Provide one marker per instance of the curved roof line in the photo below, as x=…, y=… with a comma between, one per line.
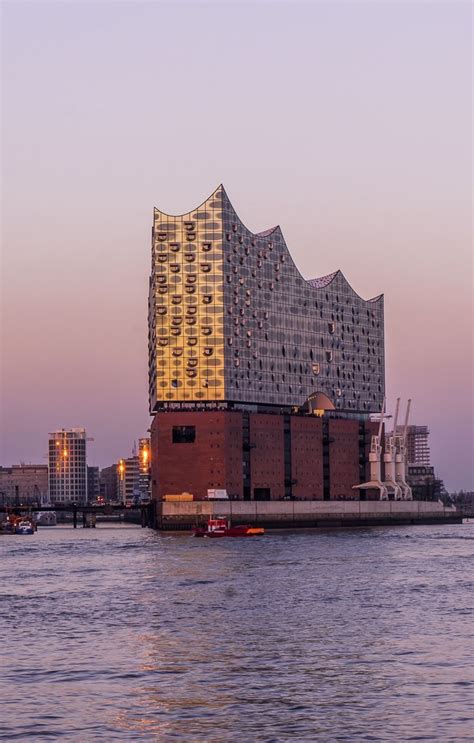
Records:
x=323, y=281
x=318, y=283
x=263, y=233
x=183, y=214
x=220, y=187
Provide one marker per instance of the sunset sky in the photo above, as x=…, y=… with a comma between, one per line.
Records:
x=347, y=123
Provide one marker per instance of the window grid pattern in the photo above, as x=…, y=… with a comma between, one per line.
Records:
x=186, y=330
x=68, y=466
x=279, y=338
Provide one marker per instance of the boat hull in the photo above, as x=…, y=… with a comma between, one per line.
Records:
x=231, y=531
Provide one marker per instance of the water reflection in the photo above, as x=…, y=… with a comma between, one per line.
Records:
x=344, y=635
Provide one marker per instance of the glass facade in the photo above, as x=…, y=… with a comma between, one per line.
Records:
x=232, y=320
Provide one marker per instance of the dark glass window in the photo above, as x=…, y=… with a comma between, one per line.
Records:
x=184, y=434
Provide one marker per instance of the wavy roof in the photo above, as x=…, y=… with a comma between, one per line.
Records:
x=318, y=283
x=322, y=281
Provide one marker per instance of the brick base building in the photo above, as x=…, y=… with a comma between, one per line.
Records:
x=259, y=456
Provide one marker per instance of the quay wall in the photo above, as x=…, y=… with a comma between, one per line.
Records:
x=304, y=514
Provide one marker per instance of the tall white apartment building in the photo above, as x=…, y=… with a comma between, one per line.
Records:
x=68, y=466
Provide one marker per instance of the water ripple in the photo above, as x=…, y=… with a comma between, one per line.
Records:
x=122, y=634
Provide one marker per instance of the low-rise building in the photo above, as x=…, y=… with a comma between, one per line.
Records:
x=24, y=484
x=424, y=483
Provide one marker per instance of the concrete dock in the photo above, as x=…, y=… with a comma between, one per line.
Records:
x=305, y=514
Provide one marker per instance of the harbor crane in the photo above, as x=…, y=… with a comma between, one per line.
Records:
x=401, y=456
x=389, y=457
x=375, y=456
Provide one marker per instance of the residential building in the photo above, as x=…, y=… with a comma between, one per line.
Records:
x=68, y=466
x=144, y=466
x=134, y=475
x=418, y=450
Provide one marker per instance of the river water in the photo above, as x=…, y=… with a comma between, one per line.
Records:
x=123, y=634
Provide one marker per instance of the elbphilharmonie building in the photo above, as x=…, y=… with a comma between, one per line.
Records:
x=269, y=378
x=232, y=320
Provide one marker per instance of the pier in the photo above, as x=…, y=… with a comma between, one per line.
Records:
x=306, y=514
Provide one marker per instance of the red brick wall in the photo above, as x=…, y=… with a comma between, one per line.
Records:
x=267, y=467
x=343, y=458
x=209, y=462
x=307, y=457
x=214, y=459
x=233, y=449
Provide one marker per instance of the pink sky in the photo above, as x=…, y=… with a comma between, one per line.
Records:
x=348, y=124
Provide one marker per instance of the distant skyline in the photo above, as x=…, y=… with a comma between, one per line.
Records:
x=356, y=113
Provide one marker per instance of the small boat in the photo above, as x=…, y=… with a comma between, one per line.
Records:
x=46, y=518
x=221, y=527
x=24, y=526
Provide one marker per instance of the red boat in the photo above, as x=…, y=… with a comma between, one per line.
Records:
x=221, y=527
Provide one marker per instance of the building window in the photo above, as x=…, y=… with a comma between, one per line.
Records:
x=184, y=434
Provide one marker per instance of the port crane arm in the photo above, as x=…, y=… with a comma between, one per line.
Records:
x=397, y=408
x=405, y=429
x=382, y=416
